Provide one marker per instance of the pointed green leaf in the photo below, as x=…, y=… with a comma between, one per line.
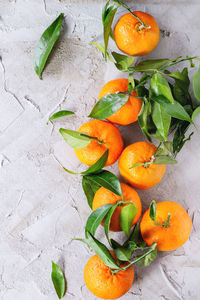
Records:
x=90, y=188
x=58, y=280
x=108, y=220
x=152, y=210
x=127, y=216
x=161, y=120
x=160, y=87
x=60, y=114
x=123, y=254
x=108, y=180
x=46, y=43
x=75, y=139
x=122, y=62
x=164, y=159
x=195, y=113
x=150, y=66
x=108, y=105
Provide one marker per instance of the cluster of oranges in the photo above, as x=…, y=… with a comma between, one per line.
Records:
x=135, y=166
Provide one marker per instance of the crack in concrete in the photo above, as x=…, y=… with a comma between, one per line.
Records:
x=18, y=203
x=32, y=102
x=4, y=160
x=5, y=86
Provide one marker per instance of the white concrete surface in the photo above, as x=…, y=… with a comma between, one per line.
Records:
x=42, y=207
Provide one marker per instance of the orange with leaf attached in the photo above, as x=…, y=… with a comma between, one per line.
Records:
x=109, y=137
x=128, y=113
x=144, y=176
x=132, y=37
x=102, y=283
x=104, y=196
x=167, y=237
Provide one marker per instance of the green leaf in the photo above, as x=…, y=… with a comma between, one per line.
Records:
x=90, y=188
x=131, y=83
x=102, y=50
x=108, y=220
x=46, y=43
x=161, y=120
x=160, y=87
x=144, y=119
x=152, y=210
x=181, y=86
x=150, y=66
x=180, y=139
x=96, y=218
x=75, y=139
x=58, y=280
x=168, y=146
x=115, y=244
x=122, y=62
x=127, y=216
x=95, y=168
x=149, y=258
x=195, y=113
x=164, y=159
x=123, y=254
x=60, y=114
x=175, y=110
x=134, y=236
x=108, y=180
x=196, y=84
x=102, y=251
x=107, y=19
x=108, y=105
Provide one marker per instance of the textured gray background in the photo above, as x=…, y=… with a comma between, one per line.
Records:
x=42, y=207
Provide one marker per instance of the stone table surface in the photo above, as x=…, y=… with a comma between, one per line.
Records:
x=42, y=207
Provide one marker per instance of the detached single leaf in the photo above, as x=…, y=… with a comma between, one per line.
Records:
x=75, y=139
x=108, y=220
x=164, y=159
x=96, y=218
x=150, y=66
x=161, y=120
x=196, y=84
x=90, y=188
x=60, y=114
x=127, y=216
x=152, y=210
x=108, y=180
x=122, y=62
x=108, y=105
x=160, y=87
x=102, y=251
x=58, y=280
x=46, y=43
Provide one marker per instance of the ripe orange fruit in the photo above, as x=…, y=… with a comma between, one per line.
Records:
x=128, y=113
x=171, y=237
x=104, y=196
x=134, y=40
x=140, y=177
x=110, y=137
x=102, y=283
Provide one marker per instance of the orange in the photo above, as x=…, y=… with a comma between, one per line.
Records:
x=171, y=237
x=140, y=177
x=110, y=138
x=102, y=283
x=104, y=196
x=128, y=113
x=134, y=40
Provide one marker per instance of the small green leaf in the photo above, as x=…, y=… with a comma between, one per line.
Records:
x=127, y=216
x=122, y=62
x=152, y=210
x=150, y=66
x=149, y=258
x=107, y=19
x=58, y=280
x=144, y=119
x=60, y=114
x=161, y=120
x=123, y=254
x=196, y=84
x=160, y=87
x=96, y=218
x=90, y=188
x=108, y=105
x=195, y=113
x=75, y=139
x=108, y=220
x=46, y=43
x=164, y=159
x=102, y=251
x=108, y=180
